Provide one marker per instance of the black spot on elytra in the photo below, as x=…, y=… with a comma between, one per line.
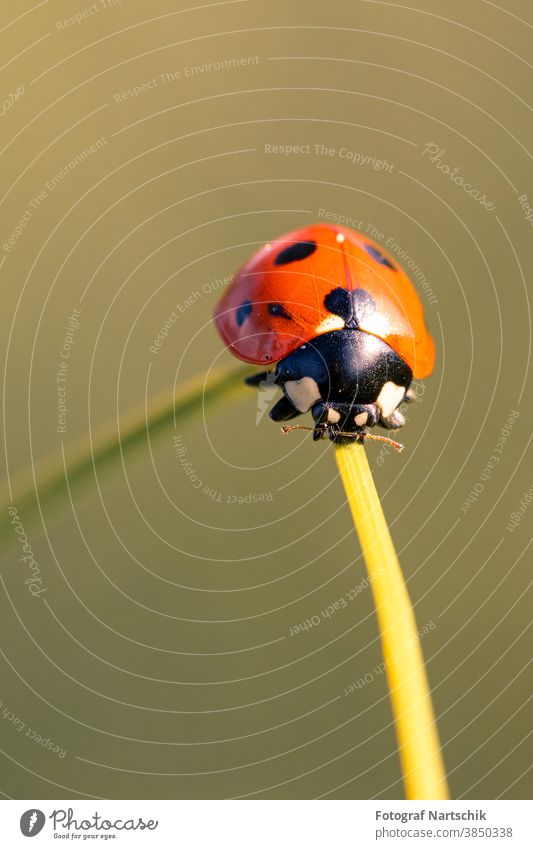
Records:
x=379, y=257
x=295, y=252
x=279, y=310
x=243, y=312
x=353, y=307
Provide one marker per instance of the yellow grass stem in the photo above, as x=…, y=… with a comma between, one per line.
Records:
x=416, y=730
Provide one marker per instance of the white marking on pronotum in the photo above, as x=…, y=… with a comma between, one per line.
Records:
x=303, y=393
x=390, y=396
x=332, y=322
x=361, y=419
x=333, y=416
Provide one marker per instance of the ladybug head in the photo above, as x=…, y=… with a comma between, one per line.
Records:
x=348, y=379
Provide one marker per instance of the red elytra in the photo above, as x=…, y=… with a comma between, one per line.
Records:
x=277, y=300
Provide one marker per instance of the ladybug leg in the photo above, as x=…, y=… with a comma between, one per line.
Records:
x=339, y=421
x=395, y=420
x=341, y=437
x=333, y=431
x=283, y=410
x=321, y=415
x=371, y=411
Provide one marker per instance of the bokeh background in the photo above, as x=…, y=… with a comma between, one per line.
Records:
x=160, y=658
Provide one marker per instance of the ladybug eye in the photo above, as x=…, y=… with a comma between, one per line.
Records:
x=296, y=251
x=379, y=257
x=243, y=312
x=279, y=310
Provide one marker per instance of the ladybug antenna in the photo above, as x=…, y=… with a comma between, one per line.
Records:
x=396, y=445
x=364, y=436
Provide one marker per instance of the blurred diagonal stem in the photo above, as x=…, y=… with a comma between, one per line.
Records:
x=416, y=730
x=45, y=486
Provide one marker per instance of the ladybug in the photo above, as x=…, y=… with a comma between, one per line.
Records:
x=342, y=322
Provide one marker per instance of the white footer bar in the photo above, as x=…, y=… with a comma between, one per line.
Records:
x=268, y=824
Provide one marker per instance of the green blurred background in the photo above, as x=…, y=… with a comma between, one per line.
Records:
x=160, y=660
